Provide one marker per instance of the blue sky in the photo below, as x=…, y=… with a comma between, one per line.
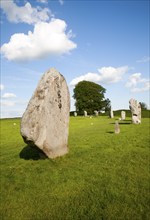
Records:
x=106, y=42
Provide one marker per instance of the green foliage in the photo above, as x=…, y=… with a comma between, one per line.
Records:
x=143, y=106
x=89, y=96
x=104, y=176
x=107, y=105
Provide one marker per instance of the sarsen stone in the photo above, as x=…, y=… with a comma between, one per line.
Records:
x=46, y=120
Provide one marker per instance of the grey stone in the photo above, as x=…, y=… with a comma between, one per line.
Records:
x=111, y=114
x=96, y=113
x=135, y=119
x=123, y=115
x=75, y=114
x=45, y=122
x=135, y=108
x=117, y=128
x=85, y=113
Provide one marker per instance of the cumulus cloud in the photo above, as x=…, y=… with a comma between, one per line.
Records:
x=61, y=2
x=1, y=86
x=138, y=84
x=8, y=95
x=26, y=13
x=42, y=1
x=46, y=39
x=7, y=103
x=143, y=60
x=105, y=75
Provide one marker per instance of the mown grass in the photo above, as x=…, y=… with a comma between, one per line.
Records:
x=104, y=176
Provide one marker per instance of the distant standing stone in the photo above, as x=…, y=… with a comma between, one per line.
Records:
x=117, y=128
x=135, y=108
x=46, y=120
x=123, y=115
x=85, y=113
x=96, y=113
x=111, y=114
x=75, y=114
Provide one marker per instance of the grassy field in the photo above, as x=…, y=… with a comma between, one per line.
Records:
x=105, y=176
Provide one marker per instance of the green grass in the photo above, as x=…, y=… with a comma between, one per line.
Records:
x=104, y=176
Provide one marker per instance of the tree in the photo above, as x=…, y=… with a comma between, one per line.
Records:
x=89, y=96
x=143, y=106
x=107, y=105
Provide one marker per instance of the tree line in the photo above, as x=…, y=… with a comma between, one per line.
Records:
x=90, y=96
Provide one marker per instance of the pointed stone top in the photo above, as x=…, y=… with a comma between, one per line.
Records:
x=46, y=119
x=52, y=69
x=53, y=72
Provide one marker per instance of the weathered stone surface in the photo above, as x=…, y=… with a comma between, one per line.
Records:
x=46, y=120
x=135, y=108
x=123, y=115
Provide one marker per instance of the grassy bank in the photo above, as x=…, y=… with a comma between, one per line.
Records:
x=144, y=113
x=117, y=113
x=104, y=176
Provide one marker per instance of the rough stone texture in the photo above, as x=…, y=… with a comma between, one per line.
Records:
x=123, y=115
x=117, y=128
x=46, y=120
x=135, y=108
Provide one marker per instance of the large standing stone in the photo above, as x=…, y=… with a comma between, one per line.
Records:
x=46, y=119
x=135, y=108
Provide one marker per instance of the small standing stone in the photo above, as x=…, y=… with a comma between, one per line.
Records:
x=75, y=114
x=85, y=113
x=123, y=115
x=117, y=128
x=111, y=114
x=96, y=113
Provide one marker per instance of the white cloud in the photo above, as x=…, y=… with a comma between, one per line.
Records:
x=143, y=60
x=26, y=13
x=15, y=108
x=46, y=39
x=11, y=113
x=8, y=95
x=138, y=84
x=1, y=86
x=104, y=75
x=42, y=1
x=7, y=103
x=61, y=2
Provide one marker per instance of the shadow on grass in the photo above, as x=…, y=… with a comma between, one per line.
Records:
x=110, y=132
x=122, y=123
x=32, y=153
